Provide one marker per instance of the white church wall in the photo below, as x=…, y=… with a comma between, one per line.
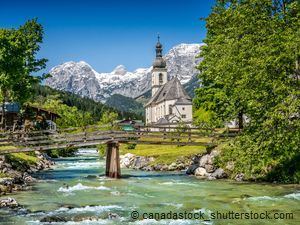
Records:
x=184, y=112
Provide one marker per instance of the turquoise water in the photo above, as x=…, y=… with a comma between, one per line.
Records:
x=76, y=191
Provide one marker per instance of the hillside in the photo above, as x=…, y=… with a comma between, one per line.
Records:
x=125, y=104
x=82, y=103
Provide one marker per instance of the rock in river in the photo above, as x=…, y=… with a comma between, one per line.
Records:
x=8, y=202
x=219, y=173
x=201, y=172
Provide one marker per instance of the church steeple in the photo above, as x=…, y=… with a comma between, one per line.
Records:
x=159, y=72
x=158, y=48
x=159, y=62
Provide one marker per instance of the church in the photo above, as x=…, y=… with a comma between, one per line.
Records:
x=169, y=102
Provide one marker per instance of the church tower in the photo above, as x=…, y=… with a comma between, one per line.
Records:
x=159, y=71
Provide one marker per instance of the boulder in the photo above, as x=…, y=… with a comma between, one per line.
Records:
x=173, y=166
x=6, y=181
x=148, y=168
x=211, y=178
x=196, y=159
x=113, y=216
x=201, y=172
x=206, y=159
x=181, y=166
x=51, y=219
x=214, y=153
x=8, y=202
x=209, y=168
x=157, y=167
x=28, y=179
x=191, y=169
x=126, y=160
x=239, y=177
x=164, y=168
x=140, y=162
x=219, y=173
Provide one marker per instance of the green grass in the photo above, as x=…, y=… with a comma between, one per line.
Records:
x=24, y=158
x=19, y=160
x=2, y=175
x=164, y=154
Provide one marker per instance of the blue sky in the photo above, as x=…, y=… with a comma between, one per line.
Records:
x=106, y=33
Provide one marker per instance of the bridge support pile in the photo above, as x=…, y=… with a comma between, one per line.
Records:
x=113, y=160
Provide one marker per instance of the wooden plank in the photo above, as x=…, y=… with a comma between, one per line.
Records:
x=166, y=143
x=62, y=140
x=51, y=147
x=163, y=136
x=65, y=135
x=53, y=131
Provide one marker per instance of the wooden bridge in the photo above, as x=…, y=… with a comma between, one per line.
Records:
x=94, y=135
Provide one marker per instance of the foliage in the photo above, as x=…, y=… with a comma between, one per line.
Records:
x=101, y=150
x=205, y=119
x=109, y=118
x=83, y=104
x=2, y=175
x=70, y=116
x=18, y=50
x=64, y=152
x=126, y=104
x=251, y=68
x=131, y=146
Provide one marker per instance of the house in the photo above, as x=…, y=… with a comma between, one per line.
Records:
x=39, y=115
x=169, y=102
x=11, y=112
x=130, y=125
x=30, y=116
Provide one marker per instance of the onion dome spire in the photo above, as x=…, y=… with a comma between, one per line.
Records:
x=159, y=62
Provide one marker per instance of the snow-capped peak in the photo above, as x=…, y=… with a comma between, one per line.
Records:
x=82, y=79
x=119, y=70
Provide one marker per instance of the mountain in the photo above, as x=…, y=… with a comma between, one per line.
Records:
x=84, y=104
x=80, y=78
x=125, y=104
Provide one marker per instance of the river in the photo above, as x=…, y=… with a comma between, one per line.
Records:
x=76, y=191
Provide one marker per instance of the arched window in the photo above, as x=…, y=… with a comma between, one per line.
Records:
x=160, y=78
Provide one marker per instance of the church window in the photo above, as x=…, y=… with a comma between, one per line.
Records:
x=170, y=109
x=160, y=78
x=183, y=108
x=183, y=116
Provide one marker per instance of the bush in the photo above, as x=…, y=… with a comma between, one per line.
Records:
x=101, y=150
x=68, y=152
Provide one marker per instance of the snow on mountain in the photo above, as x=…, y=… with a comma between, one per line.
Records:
x=80, y=78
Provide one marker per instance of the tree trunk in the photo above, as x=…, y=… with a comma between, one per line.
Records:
x=3, y=120
x=241, y=121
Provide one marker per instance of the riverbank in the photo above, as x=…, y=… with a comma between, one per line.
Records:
x=198, y=162
x=16, y=170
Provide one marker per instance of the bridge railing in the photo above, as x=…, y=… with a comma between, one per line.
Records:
x=44, y=140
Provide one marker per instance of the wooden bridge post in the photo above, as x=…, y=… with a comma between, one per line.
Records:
x=113, y=160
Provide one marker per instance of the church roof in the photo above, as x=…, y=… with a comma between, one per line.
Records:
x=162, y=121
x=170, y=91
x=183, y=101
